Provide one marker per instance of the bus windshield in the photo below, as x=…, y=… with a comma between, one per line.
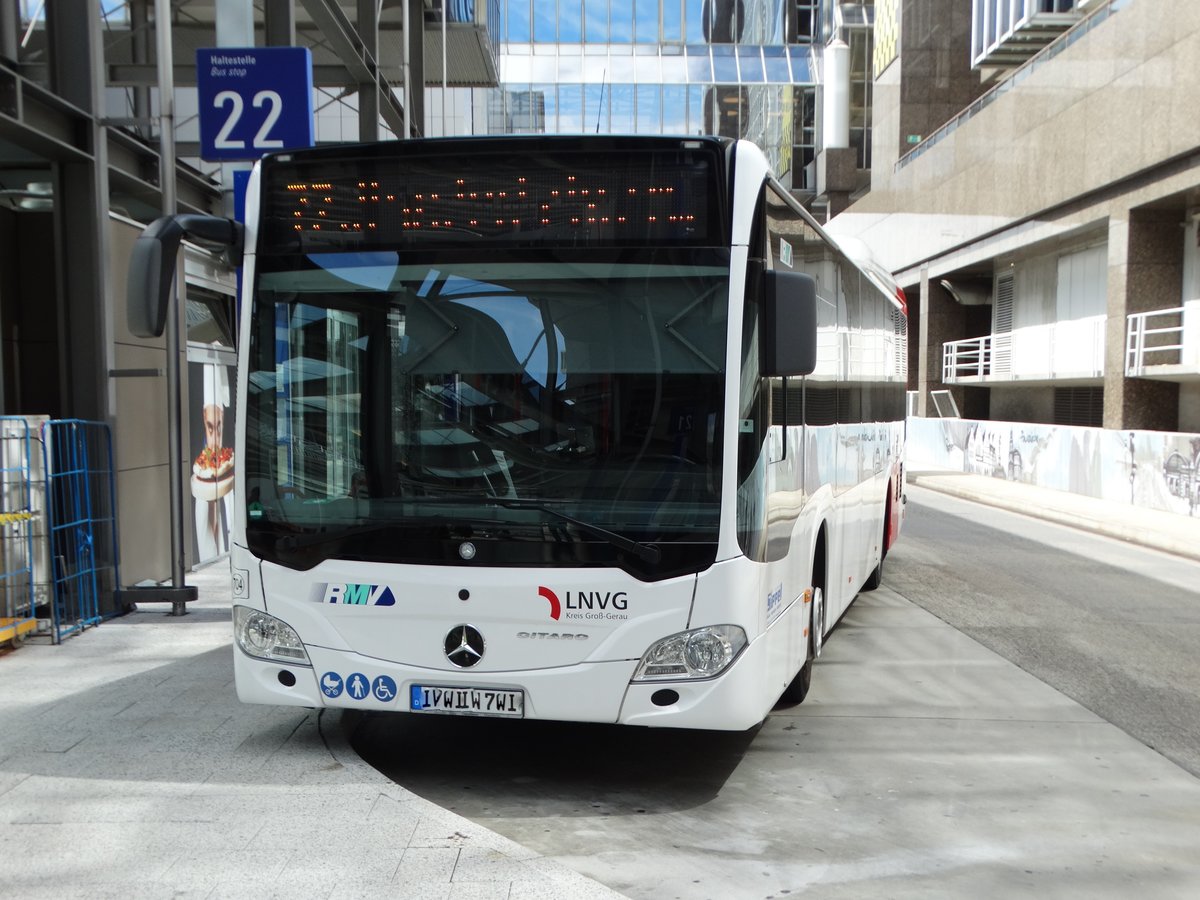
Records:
x=543, y=406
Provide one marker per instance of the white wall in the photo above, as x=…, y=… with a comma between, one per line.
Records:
x=1143, y=468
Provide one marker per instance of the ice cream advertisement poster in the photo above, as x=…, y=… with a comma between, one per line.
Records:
x=211, y=467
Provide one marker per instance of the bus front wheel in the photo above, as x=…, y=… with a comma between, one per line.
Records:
x=798, y=689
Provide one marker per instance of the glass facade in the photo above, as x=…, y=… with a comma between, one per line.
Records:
x=654, y=67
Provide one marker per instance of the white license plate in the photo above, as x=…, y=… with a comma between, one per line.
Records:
x=466, y=701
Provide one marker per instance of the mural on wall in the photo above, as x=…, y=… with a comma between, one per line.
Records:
x=212, y=472
x=1157, y=470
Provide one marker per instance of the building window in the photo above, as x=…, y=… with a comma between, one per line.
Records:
x=1080, y=406
x=808, y=21
x=804, y=150
x=1082, y=288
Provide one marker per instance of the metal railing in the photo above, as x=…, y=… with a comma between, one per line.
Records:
x=1162, y=337
x=977, y=357
x=1072, y=348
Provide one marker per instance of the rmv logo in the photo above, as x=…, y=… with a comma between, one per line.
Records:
x=359, y=594
x=584, y=600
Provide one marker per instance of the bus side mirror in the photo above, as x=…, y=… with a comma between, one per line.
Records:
x=152, y=265
x=789, y=325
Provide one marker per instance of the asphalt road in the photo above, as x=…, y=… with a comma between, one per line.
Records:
x=1113, y=626
x=923, y=764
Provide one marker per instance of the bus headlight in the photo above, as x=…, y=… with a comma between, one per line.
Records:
x=700, y=653
x=267, y=637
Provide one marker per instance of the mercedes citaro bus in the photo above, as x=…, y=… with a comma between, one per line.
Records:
x=599, y=428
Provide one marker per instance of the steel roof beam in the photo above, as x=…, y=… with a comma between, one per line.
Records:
x=346, y=42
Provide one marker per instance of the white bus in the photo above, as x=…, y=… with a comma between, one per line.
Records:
x=599, y=429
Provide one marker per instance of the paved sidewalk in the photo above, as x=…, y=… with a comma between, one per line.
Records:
x=129, y=769
x=1165, y=531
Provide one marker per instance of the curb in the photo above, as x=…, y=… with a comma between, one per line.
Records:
x=1156, y=530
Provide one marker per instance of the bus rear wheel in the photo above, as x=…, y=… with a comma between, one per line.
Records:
x=875, y=579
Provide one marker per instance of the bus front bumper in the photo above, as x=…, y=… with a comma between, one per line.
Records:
x=587, y=692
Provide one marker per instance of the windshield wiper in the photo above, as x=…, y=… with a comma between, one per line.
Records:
x=647, y=553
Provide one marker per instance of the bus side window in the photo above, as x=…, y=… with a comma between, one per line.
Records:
x=753, y=404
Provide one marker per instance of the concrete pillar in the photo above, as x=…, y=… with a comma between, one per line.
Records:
x=81, y=205
x=416, y=64
x=939, y=319
x=10, y=23
x=235, y=28
x=368, y=92
x=835, y=114
x=1145, y=272
x=279, y=23
x=141, y=37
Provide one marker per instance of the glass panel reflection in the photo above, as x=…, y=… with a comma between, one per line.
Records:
x=595, y=108
x=648, y=70
x=596, y=21
x=672, y=20
x=801, y=68
x=570, y=109
x=750, y=64
x=646, y=19
x=724, y=64
x=775, y=59
x=693, y=21
x=674, y=109
x=674, y=69
x=545, y=24
x=620, y=23
x=698, y=65
x=649, y=109
x=621, y=108
x=518, y=20
x=570, y=21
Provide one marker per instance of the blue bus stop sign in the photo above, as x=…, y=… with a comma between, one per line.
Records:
x=253, y=100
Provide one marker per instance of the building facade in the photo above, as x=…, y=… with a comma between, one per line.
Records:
x=649, y=67
x=83, y=168
x=1035, y=183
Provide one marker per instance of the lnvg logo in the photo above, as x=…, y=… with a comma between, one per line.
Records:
x=587, y=604
x=359, y=595
x=555, y=605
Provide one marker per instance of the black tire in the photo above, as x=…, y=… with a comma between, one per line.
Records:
x=798, y=689
x=874, y=580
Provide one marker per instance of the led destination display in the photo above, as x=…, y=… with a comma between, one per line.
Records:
x=590, y=199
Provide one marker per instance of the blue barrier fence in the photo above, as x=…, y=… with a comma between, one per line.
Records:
x=82, y=523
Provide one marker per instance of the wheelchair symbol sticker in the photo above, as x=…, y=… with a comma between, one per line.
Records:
x=384, y=688
x=332, y=684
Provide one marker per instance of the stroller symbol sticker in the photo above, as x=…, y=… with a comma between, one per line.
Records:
x=331, y=684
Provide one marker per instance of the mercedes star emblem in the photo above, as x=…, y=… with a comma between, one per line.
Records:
x=464, y=646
